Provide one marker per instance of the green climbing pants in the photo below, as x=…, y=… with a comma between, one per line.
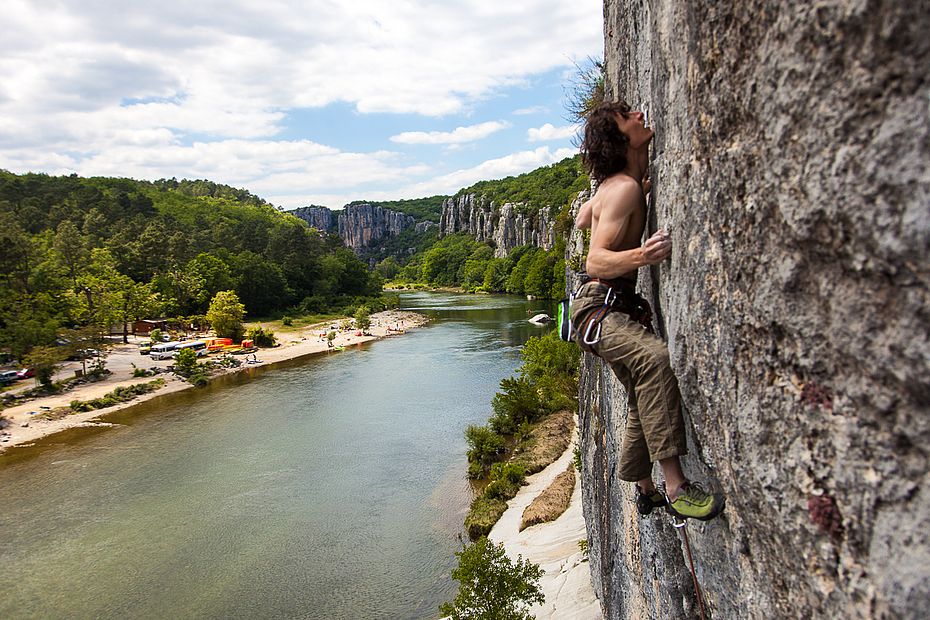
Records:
x=654, y=426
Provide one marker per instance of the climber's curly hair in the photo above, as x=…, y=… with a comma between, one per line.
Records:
x=604, y=147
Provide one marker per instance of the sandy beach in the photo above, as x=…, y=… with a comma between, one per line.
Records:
x=23, y=424
x=553, y=546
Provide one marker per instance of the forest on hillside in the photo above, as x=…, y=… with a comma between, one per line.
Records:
x=78, y=252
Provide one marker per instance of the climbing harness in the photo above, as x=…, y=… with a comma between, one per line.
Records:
x=622, y=297
x=681, y=525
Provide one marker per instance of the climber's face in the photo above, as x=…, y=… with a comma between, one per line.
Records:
x=633, y=126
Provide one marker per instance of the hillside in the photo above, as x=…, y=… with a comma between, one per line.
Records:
x=98, y=251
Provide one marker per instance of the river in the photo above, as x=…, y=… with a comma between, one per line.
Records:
x=331, y=487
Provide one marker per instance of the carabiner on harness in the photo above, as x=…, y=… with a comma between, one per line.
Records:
x=595, y=321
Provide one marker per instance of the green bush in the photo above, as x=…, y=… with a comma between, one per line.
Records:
x=514, y=473
x=484, y=446
x=260, y=337
x=506, y=479
x=516, y=403
x=118, y=395
x=483, y=514
x=287, y=321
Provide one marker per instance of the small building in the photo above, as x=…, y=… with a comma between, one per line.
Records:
x=145, y=326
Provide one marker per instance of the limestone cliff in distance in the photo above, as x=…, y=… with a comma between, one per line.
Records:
x=790, y=164
x=504, y=226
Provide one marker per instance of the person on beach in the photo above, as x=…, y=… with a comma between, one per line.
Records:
x=613, y=322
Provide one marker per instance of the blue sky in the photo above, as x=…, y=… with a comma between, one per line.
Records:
x=302, y=103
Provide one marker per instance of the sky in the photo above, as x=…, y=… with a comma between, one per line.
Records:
x=313, y=102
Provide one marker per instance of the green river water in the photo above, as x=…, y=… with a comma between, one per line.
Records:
x=330, y=487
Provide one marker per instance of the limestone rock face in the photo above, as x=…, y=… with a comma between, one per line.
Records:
x=320, y=218
x=359, y=226
x=790, y=164
x=506, y=227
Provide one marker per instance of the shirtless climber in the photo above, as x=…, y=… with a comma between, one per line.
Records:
x=615, y=151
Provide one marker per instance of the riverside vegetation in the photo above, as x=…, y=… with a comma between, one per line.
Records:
x=529, y=428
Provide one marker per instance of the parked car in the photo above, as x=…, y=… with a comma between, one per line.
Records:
x=8, y=376
x=25, y=373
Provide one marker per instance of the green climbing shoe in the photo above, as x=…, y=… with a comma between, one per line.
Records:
x=693, y=502
x=646, y=502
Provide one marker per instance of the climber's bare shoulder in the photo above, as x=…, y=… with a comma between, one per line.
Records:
x=617, y=213
x=617, y=193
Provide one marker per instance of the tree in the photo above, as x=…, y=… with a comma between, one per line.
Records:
x=515, y=282
x=186, y=362
x=261, y=284
x=492, y=586
x=213, y=272
x=552, y=366
x=226, y=314
x=388, y=268
x=363, y=318
x=538, y=280
x=45, y=360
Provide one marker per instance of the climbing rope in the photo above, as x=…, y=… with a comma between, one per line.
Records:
x=681, y=524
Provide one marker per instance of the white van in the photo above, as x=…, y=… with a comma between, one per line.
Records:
x=164, y=351
x=198, y=346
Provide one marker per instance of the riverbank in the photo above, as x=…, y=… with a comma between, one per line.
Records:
x=553, y=546
x=24, y=424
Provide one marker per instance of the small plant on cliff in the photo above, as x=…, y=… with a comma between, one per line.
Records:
x=585, y=91
x=492, y=586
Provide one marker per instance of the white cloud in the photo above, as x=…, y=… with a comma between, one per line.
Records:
x=205, y=89
x=550, y=132
x=458, y=135
x=535, y=109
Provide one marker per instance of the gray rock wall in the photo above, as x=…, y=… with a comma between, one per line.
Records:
x=360, y=226
x=320, y=218
x=790, y=163
x=504, y=226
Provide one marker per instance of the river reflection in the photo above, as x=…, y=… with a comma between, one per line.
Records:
x=331, y=487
